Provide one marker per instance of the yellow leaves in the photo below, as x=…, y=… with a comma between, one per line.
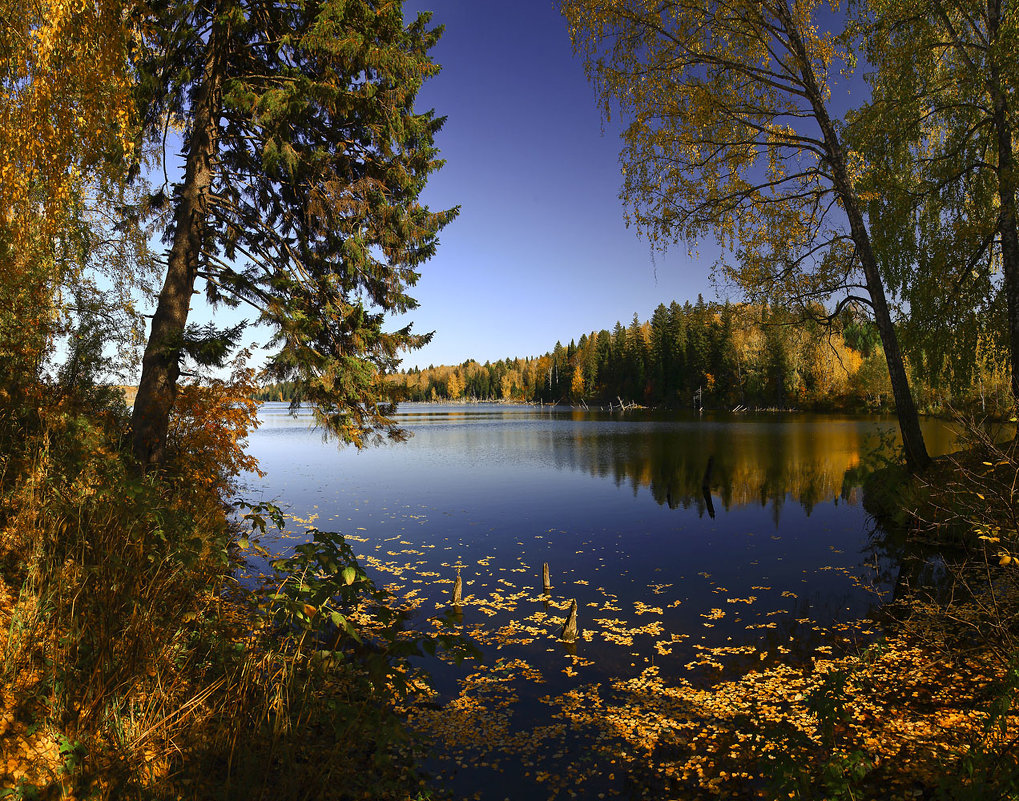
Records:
x=577, y=382
x=69, y=97
x=725, y=130
x=455, y=385
x=992, y=535
x=697, y=729
x=65, y=110
x=703, y=731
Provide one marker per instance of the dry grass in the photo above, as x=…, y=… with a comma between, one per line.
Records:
x=131, y=665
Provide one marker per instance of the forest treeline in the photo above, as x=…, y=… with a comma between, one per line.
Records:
x=747, y=355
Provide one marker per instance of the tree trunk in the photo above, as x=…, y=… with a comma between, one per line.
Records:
x=161, y=362
x=917, y=457
x=1007, y=184
x=1009, y=242
x=905, y=409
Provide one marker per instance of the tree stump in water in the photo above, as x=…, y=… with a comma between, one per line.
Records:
x=570, y=629
x=546, y=583
x=706, y=487
x=457, y=589
x=706, y=481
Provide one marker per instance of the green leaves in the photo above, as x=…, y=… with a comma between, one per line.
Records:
x=325, y=609
x=931, y=134
x=732, y=131
x=322, y=581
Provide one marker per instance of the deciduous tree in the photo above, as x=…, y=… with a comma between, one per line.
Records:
x=454, y=385
x=939, y=134
x=577, y=383
x=731, y=131
x=66, y=129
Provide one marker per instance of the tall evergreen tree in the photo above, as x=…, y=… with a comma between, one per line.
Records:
x=304, y=162
x=676, y=352
x=656, y=355
x=729, y=385
x=635, y=356
x=603, y=359
x=698, y=347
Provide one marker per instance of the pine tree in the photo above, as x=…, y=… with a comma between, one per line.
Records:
x=304, y=162
x=698, y=346
x=659, y=356
x=675, y=352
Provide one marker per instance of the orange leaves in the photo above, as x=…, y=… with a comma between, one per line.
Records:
x=209, y=428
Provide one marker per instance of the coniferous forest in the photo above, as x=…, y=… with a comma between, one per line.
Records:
x=733, y=355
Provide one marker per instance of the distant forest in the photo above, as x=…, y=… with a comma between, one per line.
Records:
x=732, y=354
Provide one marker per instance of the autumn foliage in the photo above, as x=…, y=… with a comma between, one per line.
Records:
x=208, y=431
x=737, y=355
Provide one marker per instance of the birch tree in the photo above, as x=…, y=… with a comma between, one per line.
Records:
x=730, y=132
x=939, y=137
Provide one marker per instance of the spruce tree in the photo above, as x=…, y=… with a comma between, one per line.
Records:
x=676, y=369
x=659, y=357
x=304, y=163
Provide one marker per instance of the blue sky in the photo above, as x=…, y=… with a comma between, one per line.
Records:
x=540, y=251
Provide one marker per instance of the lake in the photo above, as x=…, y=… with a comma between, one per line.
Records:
x=696, y=546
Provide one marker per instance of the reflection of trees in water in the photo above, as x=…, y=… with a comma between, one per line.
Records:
x=753, y=463
x=757, y=461
x=913, y=566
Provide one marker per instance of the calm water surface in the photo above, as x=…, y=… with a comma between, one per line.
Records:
x=775, y=550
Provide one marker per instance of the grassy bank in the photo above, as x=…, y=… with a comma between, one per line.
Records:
x=133, y=664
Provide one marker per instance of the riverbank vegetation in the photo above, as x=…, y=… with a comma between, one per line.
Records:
x=133, y=662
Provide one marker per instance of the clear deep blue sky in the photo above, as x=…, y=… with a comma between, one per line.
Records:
x=540, y=251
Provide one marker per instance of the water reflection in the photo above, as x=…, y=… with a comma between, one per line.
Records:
x=753, y=547
x=765, y=461
x=686, y=461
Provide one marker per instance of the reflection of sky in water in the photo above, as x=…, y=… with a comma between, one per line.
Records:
x=616, y=507
x=591, y=495
x=521, y=459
